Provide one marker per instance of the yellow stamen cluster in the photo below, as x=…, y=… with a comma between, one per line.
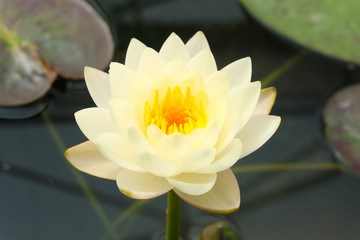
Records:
x=176, y=113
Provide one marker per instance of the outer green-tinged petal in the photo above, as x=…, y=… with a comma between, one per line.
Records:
x=94, y=121
x=217, y=80
x=239, y=72
x=197, y=43
x=114, y=148
x=196, y=160
x=134, y=53
x=87, y=158
x=241, y=104
x=98, y=85
x=157, y=165
x=120, y=81
x=223, y=198
x=257, y=131
x=266, y=101
x=151, y=63
x=193, y=183
x=141, y=185
x=203, y=63
x=226, y=159
x=174, y=48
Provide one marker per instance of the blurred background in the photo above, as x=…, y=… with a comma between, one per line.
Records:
x=302, y=184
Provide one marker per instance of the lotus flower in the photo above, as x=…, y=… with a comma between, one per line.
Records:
x=170, y=120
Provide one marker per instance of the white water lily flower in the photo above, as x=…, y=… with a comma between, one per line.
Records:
x=170, y=120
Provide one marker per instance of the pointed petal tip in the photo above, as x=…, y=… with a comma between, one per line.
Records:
x=247, y=58
x=209, y=209
x=173, y=34
x=223, y=198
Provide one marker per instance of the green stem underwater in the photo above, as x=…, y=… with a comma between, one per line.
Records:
x=173, y=216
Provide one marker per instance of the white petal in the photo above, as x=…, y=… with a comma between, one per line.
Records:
x=140, y=86
x=93, y=122
x=266, y=101
x=203, y=63
x=120, y=81
x=196, y=160
x=122, y=114
x=239, y=72
x=161, y=83
x=176, y=70
x=134, y=53
x=139, y=114
x=195, y=82
x=157, y=165
x=174, y=48
x=218, y=104
x=98, y=85
x=205, y=137
x=257, y=131
x=87, y=158
x=241, y=104
x=174, y=145
x=171, y=146
x=197, y=43
x=193, y=183
x=137, y=139
x=226, y=159
x=223, y=198
x=114, y=148
x=217, y=80
x=141, y=185
x=151, y=63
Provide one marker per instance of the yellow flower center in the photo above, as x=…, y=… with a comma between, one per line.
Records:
x=176, y=113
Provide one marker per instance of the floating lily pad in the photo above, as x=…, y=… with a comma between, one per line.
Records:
x=39, y=38
x=24, y=77
x=68, y=34
x=342, y=125
x=24, y=111
x=329, y=27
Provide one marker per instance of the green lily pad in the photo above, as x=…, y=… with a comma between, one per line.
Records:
x=342, y=125
x=68, y=34
x=329, y=27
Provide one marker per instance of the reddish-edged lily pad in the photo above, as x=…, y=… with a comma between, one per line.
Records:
x=342, y=125
x=66, y=34
x=23, y=76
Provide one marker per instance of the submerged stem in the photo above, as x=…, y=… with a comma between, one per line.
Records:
x=173, y=216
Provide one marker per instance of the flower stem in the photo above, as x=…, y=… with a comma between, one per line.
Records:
x=173, y=216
